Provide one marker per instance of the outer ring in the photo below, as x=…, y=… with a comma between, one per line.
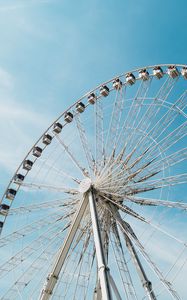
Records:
x=72, y=108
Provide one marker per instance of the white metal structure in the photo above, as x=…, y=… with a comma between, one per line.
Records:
x=96, y=210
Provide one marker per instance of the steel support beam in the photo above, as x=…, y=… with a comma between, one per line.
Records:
x=103, y=271
x=114, y=287
x=147, y=285
x=143, y=277
x=53, y=276
x=97, y=292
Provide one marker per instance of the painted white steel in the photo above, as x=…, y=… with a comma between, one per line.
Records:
x=103, y=271
x=53, y=277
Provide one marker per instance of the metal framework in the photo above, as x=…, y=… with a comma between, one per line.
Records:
x=98, y=208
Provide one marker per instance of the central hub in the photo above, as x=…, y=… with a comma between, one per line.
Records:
x=85, y=185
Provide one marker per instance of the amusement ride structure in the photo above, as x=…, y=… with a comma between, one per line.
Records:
x=96, y=209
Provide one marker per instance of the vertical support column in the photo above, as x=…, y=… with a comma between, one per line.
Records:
x=103, y=271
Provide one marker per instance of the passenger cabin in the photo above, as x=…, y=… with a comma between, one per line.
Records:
x=104, y=90
x=27, y=164
x=47, y=139
x=4, y=209
x=19, y=178
x=68, y=117
x=57, y=127
x=184, y=72
x=158, y=72
x=130, y=78
x=143, y=74
x=80, y=107
x=92, y=98
x=117, y=84
x=173, y=72
x=37, y=151
x=10, y=194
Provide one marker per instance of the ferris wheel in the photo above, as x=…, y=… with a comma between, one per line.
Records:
x=97, y=209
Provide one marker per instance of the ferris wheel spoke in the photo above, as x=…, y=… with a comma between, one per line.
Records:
x=134, y=111
x=162, y=95
x=85, y=144
x=131, y=116
x=121, y=166
x=152, y=111
x=166, y=88
x=124, y=163
x=99, y=135
x=32, y=208
x=167, y=119
x=178, y=258
x=163, y=231
x=166, y=162
x=140, y=186
x=137, y=101
x=113, y=164
x=154, y=166
x=168, y=141
x=70, y=154
x=114, y=127
x=124, y=175
x=156, y=202
x=131, y=189
x=110, y=172
x=35, y=186
x=158, y=183
x=60, y=172
x=163, y=124
x=165, y=143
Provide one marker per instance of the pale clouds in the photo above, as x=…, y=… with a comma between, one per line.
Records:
x=20, y=125
x=6, y=79
x=22, y=4
x=16, y=125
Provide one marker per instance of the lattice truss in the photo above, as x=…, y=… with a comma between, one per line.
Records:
x=128, y=139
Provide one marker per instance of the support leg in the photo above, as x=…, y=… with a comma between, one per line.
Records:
x=114, y=287
x=140, y=270
x=145, y=282
x=103, y=271
x=53, y=276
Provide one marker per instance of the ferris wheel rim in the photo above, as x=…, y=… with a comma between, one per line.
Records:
x=73, y=106
x=136, y=70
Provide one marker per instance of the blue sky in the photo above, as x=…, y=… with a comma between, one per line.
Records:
x=52, y=52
